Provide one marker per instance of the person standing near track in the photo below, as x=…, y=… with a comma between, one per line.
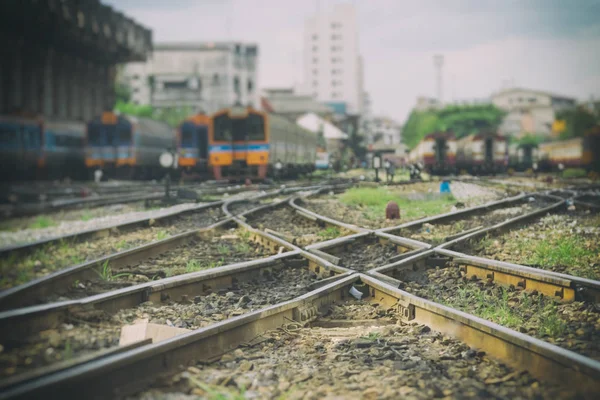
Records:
x=391, y=171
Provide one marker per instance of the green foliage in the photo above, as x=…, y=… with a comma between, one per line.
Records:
x=466, y=120
x=122, y=92
x=530, y=139
x=578, y=121
x=574, y=173
x=569, y=250
x=42, y=222
x=172, y=116
x=462, y=120
x=197, y=265
x=106, y=273
x=134, y=109
x=161, y=235
x=331, y=232
x=374, y=200
x=419, y=124
x=86, y=216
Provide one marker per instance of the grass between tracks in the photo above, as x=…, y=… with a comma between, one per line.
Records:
x=501, y=308
x=16, y=271
x=374, y=200
x=562, y=243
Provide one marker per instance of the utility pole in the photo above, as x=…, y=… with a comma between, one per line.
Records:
x=438, y=62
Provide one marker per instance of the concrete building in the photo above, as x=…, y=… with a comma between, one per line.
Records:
x=291, y=104
x=529, y=111
x=58, y=59
x=206, y=76
x=332, y=64
x=333, y=135
x=386, y=131
x=426, y=103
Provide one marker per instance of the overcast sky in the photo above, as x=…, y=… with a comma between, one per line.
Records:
x=549, y=45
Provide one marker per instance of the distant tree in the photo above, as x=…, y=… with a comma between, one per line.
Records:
x=529, y=139
x=122, y=92
x=172, y=116
x=462, y=120
x=419, y=124
x=467, y=120
x=578, y=121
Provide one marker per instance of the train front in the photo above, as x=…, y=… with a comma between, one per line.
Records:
x=100, y=150
x=239, y=146
x=490, y=153
x=193, y=144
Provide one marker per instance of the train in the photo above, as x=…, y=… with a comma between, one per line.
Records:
x=436, y=153
x=127, y=147
x=242, y=142
x=37, y=148
x=582, y=152
x=441, y=153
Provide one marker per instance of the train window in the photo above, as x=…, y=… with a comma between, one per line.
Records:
x=256, y=127
x=9, y=135
x=188, y=136
x=238, y=127
x=31, y=137
x=123, y=135
x=222, y=128
x=95, y=135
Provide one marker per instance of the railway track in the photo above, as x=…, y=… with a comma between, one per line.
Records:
x=374, y=301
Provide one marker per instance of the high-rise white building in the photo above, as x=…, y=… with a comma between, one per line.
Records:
x=332, y=64
x=206, y=76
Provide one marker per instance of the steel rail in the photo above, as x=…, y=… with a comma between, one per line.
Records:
x=133, y=370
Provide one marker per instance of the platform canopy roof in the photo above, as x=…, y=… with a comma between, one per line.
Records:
x=314, y=123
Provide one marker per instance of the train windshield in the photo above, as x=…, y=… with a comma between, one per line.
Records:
x=189, y=137
x=96, y=135
x=239, y=129
x=256, y=127
x=9, y=135
x=222, y=128
x=123, y=135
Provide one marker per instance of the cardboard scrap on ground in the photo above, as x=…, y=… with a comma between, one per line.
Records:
x=141, y=329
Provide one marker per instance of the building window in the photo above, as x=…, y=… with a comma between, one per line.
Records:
x=315, y=72
x=215, y=80
x=315, y=37
x=335, y=60
x=315, y=60
x=250, y=85
x=336, y=71
x=315, y=94
x=315, y=83
x=315, y=48
x=336, y=48
x=336, y=37
x=236, y=84
x=336, y=25
x=532, y=100
x=135, y=77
